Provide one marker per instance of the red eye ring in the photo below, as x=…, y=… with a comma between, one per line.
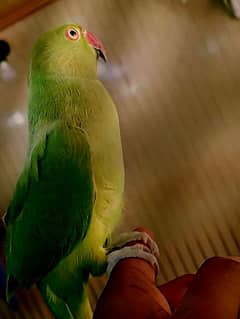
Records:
x=72, y=34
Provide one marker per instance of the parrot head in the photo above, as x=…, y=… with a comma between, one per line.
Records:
x=68, y=51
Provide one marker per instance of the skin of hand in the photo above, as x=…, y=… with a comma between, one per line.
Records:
x=175, y=290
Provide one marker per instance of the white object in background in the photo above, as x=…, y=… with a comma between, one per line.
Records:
x=17, y=119
x=7, y=71
x=234, y=5
x=110, y=72
x=236, y=8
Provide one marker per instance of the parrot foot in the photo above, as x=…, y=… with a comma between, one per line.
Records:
x=143, y=247
x=234, y=6
x=142, y=237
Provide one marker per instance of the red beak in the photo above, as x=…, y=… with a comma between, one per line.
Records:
x=97, y=44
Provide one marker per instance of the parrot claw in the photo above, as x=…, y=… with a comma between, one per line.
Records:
x=144, y=247
x=126, y=238
x=136, y=251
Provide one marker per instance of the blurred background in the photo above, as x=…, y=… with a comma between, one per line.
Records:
x=174, y=75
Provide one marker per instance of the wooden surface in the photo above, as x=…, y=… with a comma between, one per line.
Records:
x=174, y=75
x=14, y=10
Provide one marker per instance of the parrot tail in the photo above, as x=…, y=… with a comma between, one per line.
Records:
x=77, y=306
x=80, y=305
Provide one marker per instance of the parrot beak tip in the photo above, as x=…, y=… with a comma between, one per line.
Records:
x=96, y=44
x=101, y=54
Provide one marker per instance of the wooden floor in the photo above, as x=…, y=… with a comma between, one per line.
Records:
x=174, y=73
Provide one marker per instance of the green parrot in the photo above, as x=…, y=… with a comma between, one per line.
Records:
x=69, y=195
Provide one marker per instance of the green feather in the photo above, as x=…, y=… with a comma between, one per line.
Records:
x=60, y=184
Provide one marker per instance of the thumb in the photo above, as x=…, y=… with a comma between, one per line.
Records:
x=214, y=292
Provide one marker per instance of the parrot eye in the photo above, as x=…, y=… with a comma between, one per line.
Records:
x=72, y=34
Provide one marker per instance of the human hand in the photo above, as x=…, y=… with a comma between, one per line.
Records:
x=131, y=292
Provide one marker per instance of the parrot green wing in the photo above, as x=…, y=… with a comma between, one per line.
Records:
x=17, y=202
x=52, y=204
x=21, y=190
